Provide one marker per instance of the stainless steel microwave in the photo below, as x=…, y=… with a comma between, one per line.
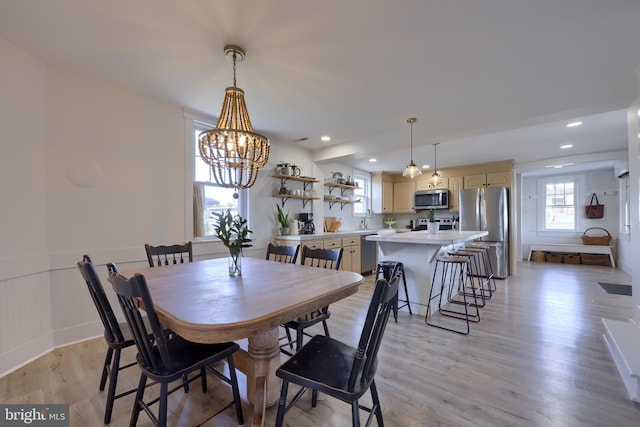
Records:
x=431, y=199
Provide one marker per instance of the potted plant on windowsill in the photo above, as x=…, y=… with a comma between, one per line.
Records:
x=234, y=234
x=433, y=226
x=283, y=220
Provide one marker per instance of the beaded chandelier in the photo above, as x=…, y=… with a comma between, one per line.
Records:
x=232, y=149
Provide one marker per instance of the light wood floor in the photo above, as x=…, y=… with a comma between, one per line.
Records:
x=537, y=358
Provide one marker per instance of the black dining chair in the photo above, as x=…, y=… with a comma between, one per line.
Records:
x=166, y=255
x=327, y=365
x=117, y=335
x=322, y=258
x=286, y=254
x=168, y=358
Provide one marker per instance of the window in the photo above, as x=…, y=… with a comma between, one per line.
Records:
x=362, y=193
x=560, y=204
x=208, y=197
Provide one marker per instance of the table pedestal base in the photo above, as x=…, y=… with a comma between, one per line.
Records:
x=259, y=365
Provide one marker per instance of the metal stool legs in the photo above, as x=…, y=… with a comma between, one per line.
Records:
x=488, y=268
x=473, y=276
x=454, y=269
x=389, y=269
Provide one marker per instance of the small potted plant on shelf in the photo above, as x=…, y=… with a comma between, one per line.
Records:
x=433, y=226
x=234, y=234
x=283, y=220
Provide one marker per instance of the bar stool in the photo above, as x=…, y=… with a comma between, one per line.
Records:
x=389, y=269
x=487, y=272
x=453, y=270
x=474, y=280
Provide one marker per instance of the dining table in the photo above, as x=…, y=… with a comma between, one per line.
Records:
x=201, y=302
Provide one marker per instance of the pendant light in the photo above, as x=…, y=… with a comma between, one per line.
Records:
x=411, y=170
x=435, y=173
x=232, y=149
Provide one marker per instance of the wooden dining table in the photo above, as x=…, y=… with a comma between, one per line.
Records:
x=202, y=303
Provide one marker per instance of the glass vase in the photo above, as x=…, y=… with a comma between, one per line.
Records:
x=235, y=262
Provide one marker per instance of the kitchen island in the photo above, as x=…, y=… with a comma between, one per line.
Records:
x=417, y=251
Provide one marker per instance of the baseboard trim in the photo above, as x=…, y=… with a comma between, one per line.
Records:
x=623, y=341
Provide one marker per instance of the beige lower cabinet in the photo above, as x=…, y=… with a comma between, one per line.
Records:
x=351, y=254
x=311, y=244
x=332, y=243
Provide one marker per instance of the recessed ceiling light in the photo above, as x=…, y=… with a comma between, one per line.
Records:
x=558, y=167
x=574, y=124
x=425, y=166
x=564, y=147
x=325, y=138
x=372, y=160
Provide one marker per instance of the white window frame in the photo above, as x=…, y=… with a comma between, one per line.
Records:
x=578, y=181
x=195, y=124
x=366, y=199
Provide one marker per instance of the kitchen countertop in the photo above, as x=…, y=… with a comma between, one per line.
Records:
x=443, y=237
x=346, y=233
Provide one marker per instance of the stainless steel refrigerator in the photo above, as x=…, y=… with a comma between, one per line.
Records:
x=488, y=209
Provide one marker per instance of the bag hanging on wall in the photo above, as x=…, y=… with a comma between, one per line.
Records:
x=594, y=210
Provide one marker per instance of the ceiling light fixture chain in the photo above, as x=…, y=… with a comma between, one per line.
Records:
x=435, y=173
x=411, y=170
x=232, y=149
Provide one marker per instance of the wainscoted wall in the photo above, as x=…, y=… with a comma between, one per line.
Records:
x=51, y=307
x=25, y=312
x=88, y=167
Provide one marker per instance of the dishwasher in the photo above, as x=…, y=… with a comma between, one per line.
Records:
x=368, y=255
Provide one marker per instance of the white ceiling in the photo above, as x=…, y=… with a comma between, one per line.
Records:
x=488, y=79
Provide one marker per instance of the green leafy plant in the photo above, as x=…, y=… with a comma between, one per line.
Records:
x=432, y=215
x=283, y=218
x=232, y=231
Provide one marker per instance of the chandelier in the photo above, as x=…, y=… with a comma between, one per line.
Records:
x=411, y=170
x=232, y=149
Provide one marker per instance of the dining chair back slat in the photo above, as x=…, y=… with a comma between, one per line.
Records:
x=166, y=255
x=286, y=254
x=323, y=258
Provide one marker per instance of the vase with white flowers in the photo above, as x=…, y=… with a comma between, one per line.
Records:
x=234, y=234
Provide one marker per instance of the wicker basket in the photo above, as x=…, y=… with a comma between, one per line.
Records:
x=538, y=256
x=596, y=240
x=594, y=259
x=571, y=259
x=554, y=258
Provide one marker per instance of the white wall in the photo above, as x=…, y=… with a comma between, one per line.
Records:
x=601, y=181
x=88, y=167
x=25, y=311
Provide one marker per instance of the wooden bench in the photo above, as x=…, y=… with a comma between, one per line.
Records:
x=571, y=248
